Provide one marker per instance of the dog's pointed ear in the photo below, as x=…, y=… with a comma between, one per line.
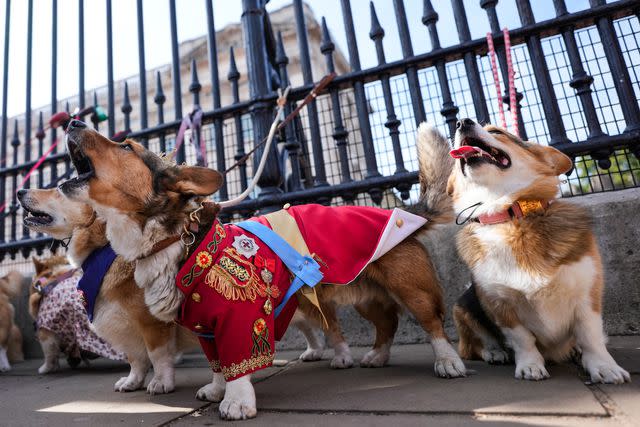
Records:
x=193, y=180
x=39, y=265
x=560, y=162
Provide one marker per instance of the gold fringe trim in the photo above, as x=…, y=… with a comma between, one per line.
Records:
x=224, y=283
x=224, y=277
x=246, y=365
x=215, y=365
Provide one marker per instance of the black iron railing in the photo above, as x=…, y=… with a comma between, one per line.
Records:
x=354, y=144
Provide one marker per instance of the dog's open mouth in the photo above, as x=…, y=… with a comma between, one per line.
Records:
x=474, y=152
x=80, y=161
x=36, y=218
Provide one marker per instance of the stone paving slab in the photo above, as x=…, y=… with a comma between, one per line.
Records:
x=624, y=400
x=209, y=417
x=626, y=351
x=85, y=396
x=408, y=385
x=405, y=393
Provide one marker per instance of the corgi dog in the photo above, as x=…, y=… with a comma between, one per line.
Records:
x=120, y=315
x=10, y=336
x=60, y=318
x=537, y=279
x=147, y=203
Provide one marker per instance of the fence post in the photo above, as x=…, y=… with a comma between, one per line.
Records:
x=259, y=87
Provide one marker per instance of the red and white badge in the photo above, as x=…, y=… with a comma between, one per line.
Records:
x=245, y=245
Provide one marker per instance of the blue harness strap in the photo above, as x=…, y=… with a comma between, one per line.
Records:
x=94, y=268
x=305, y=269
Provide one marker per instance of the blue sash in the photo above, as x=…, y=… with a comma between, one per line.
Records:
x=94, y=268
x=305, y=269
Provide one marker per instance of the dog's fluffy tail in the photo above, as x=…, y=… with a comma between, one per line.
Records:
x=435, y=167
x=11, y=284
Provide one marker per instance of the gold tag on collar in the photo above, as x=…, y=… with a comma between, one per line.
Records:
x=530, y=206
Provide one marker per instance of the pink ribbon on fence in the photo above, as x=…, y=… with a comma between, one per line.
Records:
x=496, y=79
x=192, y=121
x=513, y=102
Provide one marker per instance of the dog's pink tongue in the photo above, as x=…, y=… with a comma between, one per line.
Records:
x=464, y=152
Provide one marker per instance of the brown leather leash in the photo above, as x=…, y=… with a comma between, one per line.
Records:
x=317, y=90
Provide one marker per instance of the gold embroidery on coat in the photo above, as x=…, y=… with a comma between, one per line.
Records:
x=246, y=365
x=237, y=279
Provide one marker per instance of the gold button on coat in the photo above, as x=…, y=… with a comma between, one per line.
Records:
x=198, y=327
x=196, y=297
x=399, y=222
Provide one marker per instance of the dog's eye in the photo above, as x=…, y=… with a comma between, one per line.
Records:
x=495, y=132
x=127, y=147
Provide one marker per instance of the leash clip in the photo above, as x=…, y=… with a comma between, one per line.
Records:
x=474, y=208
x=188, y=238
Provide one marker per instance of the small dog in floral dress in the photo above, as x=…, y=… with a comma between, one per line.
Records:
x=61, y=321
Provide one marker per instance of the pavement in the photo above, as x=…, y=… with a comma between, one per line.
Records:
x=312, y=394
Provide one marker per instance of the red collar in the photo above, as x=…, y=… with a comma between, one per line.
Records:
x=519, y=209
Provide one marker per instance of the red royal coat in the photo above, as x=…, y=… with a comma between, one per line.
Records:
x=233, y=281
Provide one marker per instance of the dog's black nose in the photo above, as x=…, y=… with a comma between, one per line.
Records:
x=76, y=124
x=21, y=192
x=464, y=123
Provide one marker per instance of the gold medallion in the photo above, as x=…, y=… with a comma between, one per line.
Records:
x=268, y=306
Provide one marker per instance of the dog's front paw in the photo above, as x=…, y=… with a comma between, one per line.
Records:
x=232, y=409
x=375, y=358
x=239, y=402
x=531, y=371
x=342, y=361
x=311, y=354
x=495, y=356
x=449, y=367
x=160, y=385
x=48, y=367
x=608, y=372
x=126, y=384
x=211, y=392
x=6, y=367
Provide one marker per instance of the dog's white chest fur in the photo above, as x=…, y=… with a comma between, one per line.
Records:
x=550, y=300
x=500, y=267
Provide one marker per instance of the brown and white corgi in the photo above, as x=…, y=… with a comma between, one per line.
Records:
x=120, y=316
x=146, y=202
x=10, y=336
x=537, y=277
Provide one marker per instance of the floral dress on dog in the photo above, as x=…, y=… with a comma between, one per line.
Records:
x=63, y=313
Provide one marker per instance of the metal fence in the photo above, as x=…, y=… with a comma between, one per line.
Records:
x=577, y=83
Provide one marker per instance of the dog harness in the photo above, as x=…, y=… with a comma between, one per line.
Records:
x=240, y=281
x=94, y=268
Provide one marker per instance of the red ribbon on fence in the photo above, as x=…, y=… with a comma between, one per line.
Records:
x=57, y=120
